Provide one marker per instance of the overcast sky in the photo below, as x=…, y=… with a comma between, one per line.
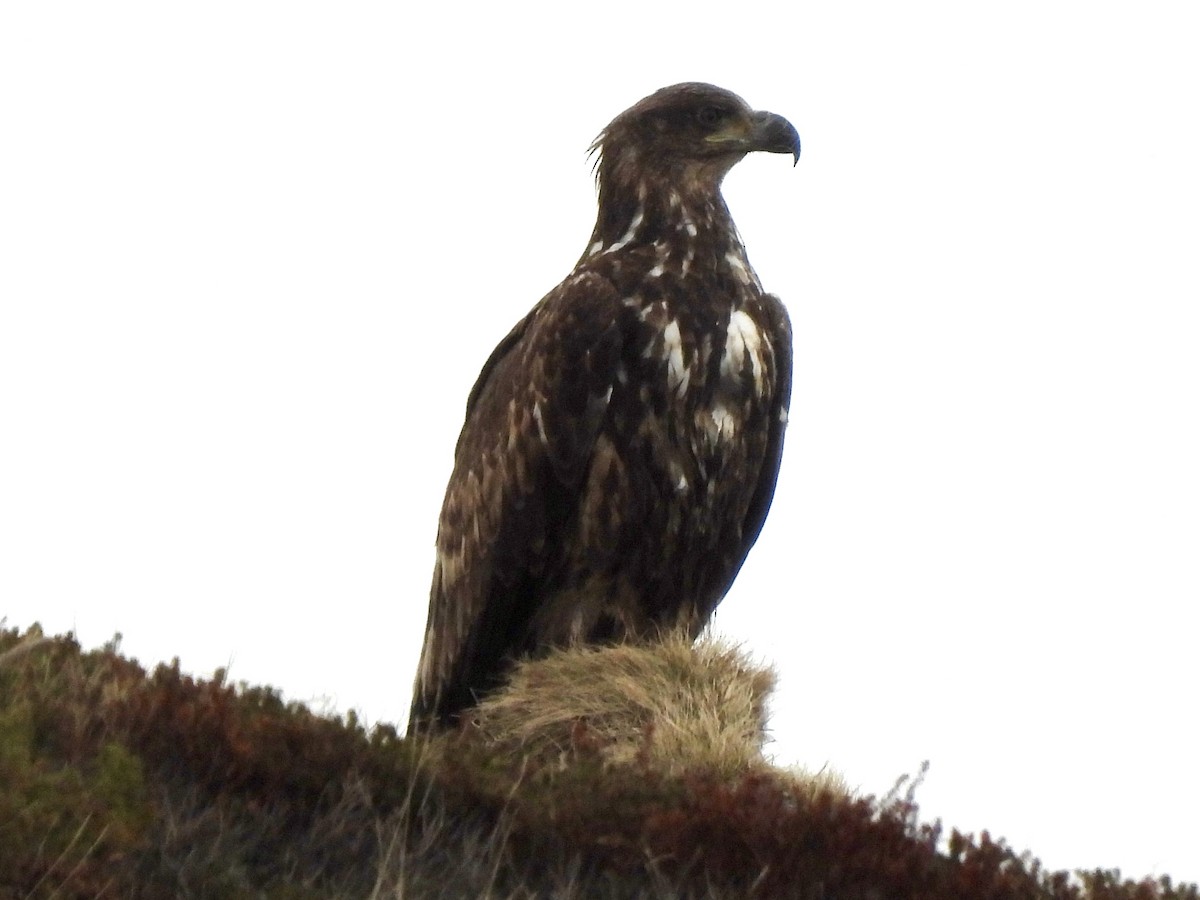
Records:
x=252, y=256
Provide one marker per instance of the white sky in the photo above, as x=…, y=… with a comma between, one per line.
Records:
x=252, y=256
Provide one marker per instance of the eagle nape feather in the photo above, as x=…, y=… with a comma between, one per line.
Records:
x=622, y=442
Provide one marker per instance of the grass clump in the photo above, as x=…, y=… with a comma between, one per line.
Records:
x=672, y=707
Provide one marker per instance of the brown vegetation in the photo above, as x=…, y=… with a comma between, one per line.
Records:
x=582, y=781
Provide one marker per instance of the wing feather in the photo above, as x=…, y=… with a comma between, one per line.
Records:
x=531, y=425
x=779, y=331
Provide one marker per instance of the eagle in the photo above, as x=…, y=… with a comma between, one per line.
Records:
x=622, y=442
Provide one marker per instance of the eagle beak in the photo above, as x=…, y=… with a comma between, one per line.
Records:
x=774, y=134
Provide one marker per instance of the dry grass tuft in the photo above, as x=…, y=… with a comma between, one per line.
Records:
x=672, y=707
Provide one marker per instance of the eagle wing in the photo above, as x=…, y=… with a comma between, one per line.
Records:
x=531, y=423
x=779, y=329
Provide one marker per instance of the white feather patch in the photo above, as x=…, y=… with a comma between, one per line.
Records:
x=537, y=417
x=740, y=269
x=742, y=339
x=678, y=374
x=630, y=233
x=723, y=424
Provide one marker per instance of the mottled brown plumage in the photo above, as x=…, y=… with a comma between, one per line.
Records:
x=622, y=442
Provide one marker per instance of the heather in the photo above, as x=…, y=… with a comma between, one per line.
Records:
x=617, y=772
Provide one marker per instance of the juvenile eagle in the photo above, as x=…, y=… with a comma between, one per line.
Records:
x=622, y=442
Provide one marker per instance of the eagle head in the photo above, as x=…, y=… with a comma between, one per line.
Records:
x=691, y=133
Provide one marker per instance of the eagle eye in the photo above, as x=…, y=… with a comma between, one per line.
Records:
x=709, y=115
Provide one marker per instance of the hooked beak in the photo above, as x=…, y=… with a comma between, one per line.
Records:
x=774, y=134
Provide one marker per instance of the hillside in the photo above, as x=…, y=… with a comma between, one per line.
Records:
x=622, y=773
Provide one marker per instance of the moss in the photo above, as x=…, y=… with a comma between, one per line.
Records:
x=61, y=823
x=119, y=785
